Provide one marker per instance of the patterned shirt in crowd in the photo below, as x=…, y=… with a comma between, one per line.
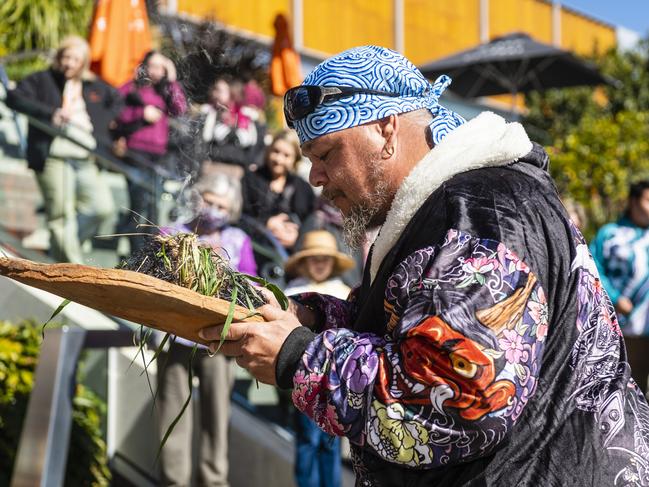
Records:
x=481, y=348
x=621, y=252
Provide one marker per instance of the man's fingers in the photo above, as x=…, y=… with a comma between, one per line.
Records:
x=242, y=362
x=268, y=296
x=229, y=349
x=213, y=333
x=271, y=313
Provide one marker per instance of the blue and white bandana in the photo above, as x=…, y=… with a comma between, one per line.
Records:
x=375, y=68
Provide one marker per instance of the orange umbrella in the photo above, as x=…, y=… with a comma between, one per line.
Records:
x=285, y=63
x=119, y=39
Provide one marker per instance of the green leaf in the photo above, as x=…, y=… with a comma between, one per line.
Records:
x=63, y=304
x=228, y=319
x=138, y=341
x=155, y=357
x=467, y=282
x=521, y=328
x=190, y=377
x=493, y=353
x=160, y=348
x=144, y=364
x=277, y=292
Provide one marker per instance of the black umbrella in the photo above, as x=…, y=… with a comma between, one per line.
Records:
x=513, y=64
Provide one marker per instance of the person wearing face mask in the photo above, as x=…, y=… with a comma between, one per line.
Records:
x=219, y=207
x=71, y=98
x=274, y=195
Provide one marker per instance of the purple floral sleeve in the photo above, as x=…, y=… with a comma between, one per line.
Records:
x=467, y=322
x=336, y=313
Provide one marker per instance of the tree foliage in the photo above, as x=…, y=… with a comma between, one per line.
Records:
x=87, y=461
x=598, y=138
x=39, y=25
x=631, y=68
x=596, y=160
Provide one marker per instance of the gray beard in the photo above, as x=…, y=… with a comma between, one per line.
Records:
x=362, y=217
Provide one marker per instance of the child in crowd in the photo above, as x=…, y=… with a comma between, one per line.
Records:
x=317, y=267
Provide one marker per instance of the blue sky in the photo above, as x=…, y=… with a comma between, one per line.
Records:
x=633, y=14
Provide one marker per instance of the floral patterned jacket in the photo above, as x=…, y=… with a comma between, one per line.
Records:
x=481, y=348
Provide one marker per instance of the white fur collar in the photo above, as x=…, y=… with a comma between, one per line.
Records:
x=487, y=140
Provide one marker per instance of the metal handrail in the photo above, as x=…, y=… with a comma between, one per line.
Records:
x=42, y=452
x=104, y=156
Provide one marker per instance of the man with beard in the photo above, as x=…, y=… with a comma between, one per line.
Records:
x=480, y=348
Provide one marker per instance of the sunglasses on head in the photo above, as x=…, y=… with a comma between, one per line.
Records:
x=303, y=100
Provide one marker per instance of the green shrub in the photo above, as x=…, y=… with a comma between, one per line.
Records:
x=596, y=160
x=19, y=349
x=598, y=140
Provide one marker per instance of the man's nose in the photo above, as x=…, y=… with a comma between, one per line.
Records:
x=317, y=175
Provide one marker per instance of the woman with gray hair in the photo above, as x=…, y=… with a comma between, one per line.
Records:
x=218, y=205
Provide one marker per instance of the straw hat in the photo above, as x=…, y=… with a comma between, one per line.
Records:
x=319, y=243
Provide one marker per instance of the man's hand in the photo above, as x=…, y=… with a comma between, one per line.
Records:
x=306, y=316
x=276, y=221
x=255, y=345
x=624, y=306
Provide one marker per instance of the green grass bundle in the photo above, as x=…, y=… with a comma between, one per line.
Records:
x=181, y=259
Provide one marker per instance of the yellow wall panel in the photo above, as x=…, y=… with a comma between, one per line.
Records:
x=585, y=36
x=192, y=7
x=253, y=15
x=432, y=28
x=435, y=29
x=531, y=16
x=332, y=26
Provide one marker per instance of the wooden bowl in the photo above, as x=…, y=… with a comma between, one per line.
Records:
x=129, y=295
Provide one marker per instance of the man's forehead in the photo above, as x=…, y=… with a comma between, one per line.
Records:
x=322, y=143
x=327, y=141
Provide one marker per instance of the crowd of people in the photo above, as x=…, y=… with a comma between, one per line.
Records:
x=246, y=186
x=497, y=276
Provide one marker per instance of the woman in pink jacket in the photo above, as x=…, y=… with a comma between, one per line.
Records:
x=143, y=132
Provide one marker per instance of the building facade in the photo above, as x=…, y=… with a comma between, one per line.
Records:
x=423, y=30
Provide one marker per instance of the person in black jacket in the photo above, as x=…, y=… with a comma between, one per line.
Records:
x=481, y=348
x=274, y=195
x=68, y=97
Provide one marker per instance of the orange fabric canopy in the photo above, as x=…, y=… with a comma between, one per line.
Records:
x=285, y=63
x=119, y=39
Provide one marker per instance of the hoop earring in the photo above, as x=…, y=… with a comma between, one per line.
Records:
x=390, y=151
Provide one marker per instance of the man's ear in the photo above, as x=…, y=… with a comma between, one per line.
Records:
x=389, y=127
